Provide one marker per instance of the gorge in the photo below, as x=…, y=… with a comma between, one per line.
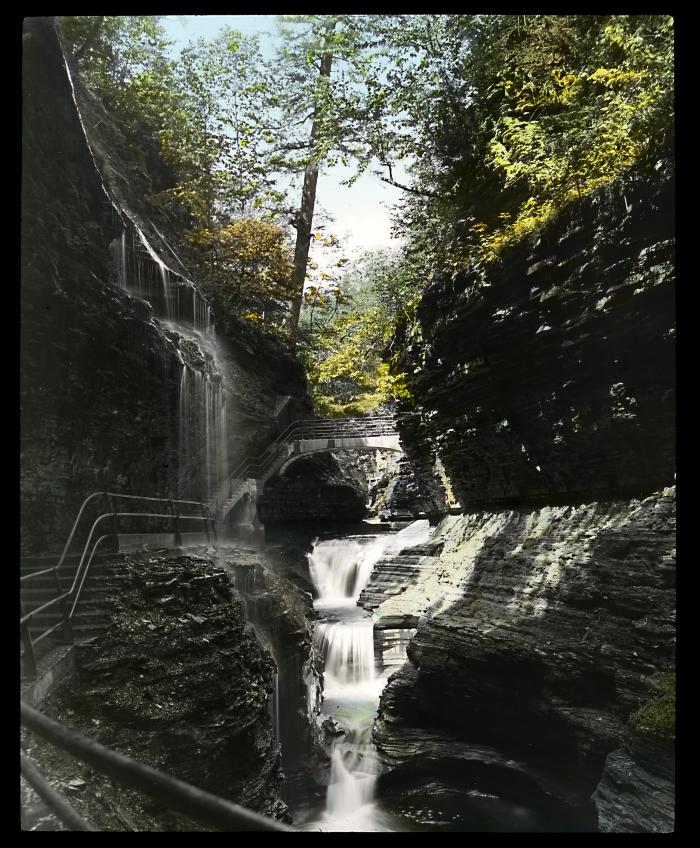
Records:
x=457, y=614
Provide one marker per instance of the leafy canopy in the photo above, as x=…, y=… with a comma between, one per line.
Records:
x=344, y=355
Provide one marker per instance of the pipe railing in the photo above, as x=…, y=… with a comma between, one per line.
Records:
x=63, y=598
x=53, y=799
x=182, y=797
x=107, y=496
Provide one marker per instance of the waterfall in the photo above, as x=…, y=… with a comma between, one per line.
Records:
x=202, y=429
x=183, y=441
x=340, y=569
x=178, y=305
x=348, y=648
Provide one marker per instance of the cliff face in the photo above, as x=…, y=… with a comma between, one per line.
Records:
x=544, y=407
x=127, y=385
x=322, y=486
x=555, y=382
x=536, y=632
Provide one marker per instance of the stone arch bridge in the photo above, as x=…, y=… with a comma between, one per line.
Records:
x=299, y=439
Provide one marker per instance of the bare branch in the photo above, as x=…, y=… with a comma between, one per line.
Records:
x=422, y=192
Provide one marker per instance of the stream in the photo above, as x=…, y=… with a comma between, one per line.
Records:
x=353, y=678
x=357, y=664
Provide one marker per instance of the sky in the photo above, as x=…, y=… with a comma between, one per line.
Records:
x=360, y=212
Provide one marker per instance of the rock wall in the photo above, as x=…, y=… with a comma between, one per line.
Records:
x=320, y=487
x=544, y=410
x=400, y=494
x=177, y=682
x=126, y=385
x=536, y=634
x=276, y=589
x=346, y=485
x=554, y=382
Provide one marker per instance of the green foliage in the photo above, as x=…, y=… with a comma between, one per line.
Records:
x=511, y=118
x=344, y=356
x=502, y=120
x=212, y=113
x=567, y=128
x=221, y=141
x=247, y=265
x=659, y=716
x=124, y=60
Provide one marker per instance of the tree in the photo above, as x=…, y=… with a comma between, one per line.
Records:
x=304, y=218
x=222, y=138
x=509, y=118
x=123, y=58
x=248, y=266
x=344, y=355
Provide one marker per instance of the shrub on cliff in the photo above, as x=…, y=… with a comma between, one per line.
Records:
x=659, y=716
x=246, y=266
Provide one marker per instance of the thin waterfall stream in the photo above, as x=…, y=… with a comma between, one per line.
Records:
x=340, y=569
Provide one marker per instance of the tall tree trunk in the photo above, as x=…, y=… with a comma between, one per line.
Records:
x=308, y=201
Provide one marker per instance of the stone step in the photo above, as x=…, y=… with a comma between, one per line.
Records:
x=32, y=602
x=54, y=614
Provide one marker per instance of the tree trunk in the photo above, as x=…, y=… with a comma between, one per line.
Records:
x=308, y=201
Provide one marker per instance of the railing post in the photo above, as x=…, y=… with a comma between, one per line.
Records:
x=208, y=520
x=176, y=525
x=67, y=624
x=205, y=521
x=29, y=657
x=115, y=529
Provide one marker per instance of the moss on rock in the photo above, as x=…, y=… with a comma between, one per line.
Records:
x=659, y=716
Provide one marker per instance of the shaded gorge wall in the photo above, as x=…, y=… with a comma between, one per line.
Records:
x=126, y=385
x=554, y=381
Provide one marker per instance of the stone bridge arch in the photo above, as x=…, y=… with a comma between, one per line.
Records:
x=389, y=443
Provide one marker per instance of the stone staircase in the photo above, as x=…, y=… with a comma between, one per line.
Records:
x=90, y=614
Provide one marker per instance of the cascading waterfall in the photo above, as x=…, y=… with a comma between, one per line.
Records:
x=201, y=428
x=183, y=438
x=178, y=304
x=340, y=568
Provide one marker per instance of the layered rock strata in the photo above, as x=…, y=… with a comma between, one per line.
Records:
x=552, y=379
x=116, y=394
x=536, y=633
x=277, y=594
x=179, y=683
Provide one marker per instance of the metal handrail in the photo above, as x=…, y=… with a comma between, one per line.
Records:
x=70, y=591
x=53, y=799
x=107, y=495
x=189, y=800
x=63, y=597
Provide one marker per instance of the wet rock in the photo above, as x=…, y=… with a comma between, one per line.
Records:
x=185, y=693
x=637, y=789
x=555, y=382
x=320, y=486
x=101, y=373
x=536, y=631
